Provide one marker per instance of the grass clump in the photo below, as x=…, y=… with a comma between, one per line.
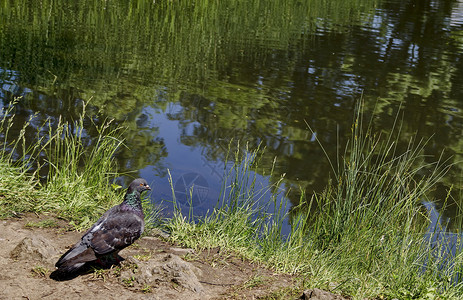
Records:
x=78, y=169
x=18, y=190
x=40, y=271
x=81, y=170
x=364, y=235
x=19, y=193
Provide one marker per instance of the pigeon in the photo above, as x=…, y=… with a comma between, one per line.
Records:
x=117, y=228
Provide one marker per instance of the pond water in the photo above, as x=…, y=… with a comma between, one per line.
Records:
x=187, y=77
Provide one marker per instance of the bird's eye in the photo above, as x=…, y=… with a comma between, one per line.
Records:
x=141, y=184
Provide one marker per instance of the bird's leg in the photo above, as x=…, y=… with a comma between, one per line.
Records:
x=100, y=262
x=108, y=260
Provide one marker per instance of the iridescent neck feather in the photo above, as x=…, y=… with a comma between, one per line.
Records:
x=132, y=199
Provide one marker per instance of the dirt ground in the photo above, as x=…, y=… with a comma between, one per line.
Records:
x=152, y=269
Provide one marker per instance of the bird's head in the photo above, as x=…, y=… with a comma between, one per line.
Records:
x=140, y=185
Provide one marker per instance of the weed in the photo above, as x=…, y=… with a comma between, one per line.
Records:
x=143, y=257
x=255, y=281
x=40, y=271
x=129, y=282
x=101, y=273
x=117, y=271
x=146, y=289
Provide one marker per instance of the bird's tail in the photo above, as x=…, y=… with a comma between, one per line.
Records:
x=75, y=258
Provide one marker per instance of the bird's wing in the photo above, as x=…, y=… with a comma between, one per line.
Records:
x=82, y=252
x=95, y=227
x=116, y=232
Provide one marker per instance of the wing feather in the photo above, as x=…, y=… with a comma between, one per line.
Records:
x=116, y=233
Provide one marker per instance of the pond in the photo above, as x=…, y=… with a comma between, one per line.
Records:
x=189, y=79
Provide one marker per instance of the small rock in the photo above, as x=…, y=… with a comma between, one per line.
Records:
x=163, y=269
x=35, y=248
x=317, y=294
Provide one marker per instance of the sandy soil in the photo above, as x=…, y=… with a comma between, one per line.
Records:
x=153, y=269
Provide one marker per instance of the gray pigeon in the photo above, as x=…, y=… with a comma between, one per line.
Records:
x=118, y=228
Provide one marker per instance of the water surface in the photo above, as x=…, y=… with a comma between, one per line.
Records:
x=186, y=78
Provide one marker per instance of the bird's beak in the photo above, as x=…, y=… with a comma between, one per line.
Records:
x=148, y=187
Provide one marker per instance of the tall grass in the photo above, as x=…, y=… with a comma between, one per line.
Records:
x=364, y=235
x=18, y=190
x=81, y=169
x=78, y=169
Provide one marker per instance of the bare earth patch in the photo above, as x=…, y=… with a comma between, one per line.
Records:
x=152, y=269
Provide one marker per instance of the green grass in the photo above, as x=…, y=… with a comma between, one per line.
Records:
x=40, y=271
x=362, y=236
x=79, y=171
